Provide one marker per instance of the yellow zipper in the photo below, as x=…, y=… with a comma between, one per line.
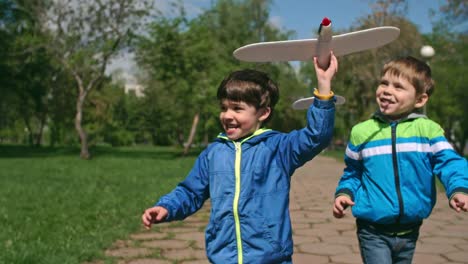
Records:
x=235, y=205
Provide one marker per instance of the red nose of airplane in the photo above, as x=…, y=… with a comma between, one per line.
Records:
x=326, y=21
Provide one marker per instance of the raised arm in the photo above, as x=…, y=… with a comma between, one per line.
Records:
x=324, y=77
x=300, y=146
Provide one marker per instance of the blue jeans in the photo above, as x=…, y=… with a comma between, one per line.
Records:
x=382, y=248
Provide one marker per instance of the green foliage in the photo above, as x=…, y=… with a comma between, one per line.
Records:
x=56, y=208
x=26, y=73
x=61, y=110
x=186, y=60
x=182, y=62
x=83, y=36
x=455, y=14
x=447, y=105
x=115, y=117
x=120, y=138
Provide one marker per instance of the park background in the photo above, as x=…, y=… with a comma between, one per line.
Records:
x=84, y=149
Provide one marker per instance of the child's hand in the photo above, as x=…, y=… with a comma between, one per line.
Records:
x=153, y=215
x=459, y=202
x=324, y=77
x=341, y=203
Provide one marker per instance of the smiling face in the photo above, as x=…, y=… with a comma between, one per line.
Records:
x=247, y=99
x=397, y=97
x=240, y=119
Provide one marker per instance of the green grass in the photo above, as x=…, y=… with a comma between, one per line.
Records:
x=57, y=208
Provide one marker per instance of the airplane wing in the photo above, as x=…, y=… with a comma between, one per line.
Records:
x=306, y=49
x=287, y=50
x=363, y=40
x=304, y=103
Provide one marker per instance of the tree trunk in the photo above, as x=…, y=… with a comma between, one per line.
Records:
x=41, y=130
x=84, y=154
x=29, y=130
x=193, y=131
x=180, y=136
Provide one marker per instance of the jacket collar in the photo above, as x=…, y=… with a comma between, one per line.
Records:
x=256, y=137
x=383, y=118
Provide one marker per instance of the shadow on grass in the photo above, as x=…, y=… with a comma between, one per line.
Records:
x=23, y=151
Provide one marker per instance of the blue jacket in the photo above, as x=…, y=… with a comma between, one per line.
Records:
x=391, y=168
x=248, y=183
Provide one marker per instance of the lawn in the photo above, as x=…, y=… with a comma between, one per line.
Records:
x=57, y=208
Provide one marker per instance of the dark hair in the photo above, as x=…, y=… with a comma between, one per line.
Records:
x=417, y=72
x=250, y=86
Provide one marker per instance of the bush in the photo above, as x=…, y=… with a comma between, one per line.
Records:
x=120, y=138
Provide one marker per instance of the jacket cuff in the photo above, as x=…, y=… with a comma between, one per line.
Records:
x=458, y=190
x=346, y=192
x=169, y=216
x=324, y=104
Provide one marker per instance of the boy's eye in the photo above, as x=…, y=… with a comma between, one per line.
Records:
x=383, y=82
x=398, y=86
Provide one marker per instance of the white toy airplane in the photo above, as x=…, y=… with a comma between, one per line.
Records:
x=306, y=49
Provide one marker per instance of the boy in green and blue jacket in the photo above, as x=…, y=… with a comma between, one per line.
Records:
x=391, y=163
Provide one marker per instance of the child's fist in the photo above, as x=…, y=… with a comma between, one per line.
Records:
x=459, y=202
x=340, y=205
x=153, y=215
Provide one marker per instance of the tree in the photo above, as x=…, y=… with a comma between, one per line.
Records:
x=162, y=55
x=448, y=104
x=32, y=88
x=83, y=37
x=8, y=114
x=185, y=60
x=455, y=13
x=28, y=72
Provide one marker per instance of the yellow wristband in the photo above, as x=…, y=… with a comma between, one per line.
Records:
x=323, y=97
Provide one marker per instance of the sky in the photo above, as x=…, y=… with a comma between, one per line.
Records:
x=304, y=16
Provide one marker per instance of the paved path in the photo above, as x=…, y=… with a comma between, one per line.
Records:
x=318, y=236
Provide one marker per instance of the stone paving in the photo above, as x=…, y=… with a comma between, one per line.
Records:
x=318, y=236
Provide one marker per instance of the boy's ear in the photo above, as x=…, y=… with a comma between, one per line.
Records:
x=264, y=113
x=421, y=100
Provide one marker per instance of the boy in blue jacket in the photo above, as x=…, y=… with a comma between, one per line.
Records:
x=246, y=171
x=391, y=161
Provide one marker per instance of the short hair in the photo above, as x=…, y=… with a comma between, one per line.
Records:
x=250, y=86
x=417, y=72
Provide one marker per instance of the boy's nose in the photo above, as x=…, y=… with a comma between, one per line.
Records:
x=228, y=114
x=387, y=91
